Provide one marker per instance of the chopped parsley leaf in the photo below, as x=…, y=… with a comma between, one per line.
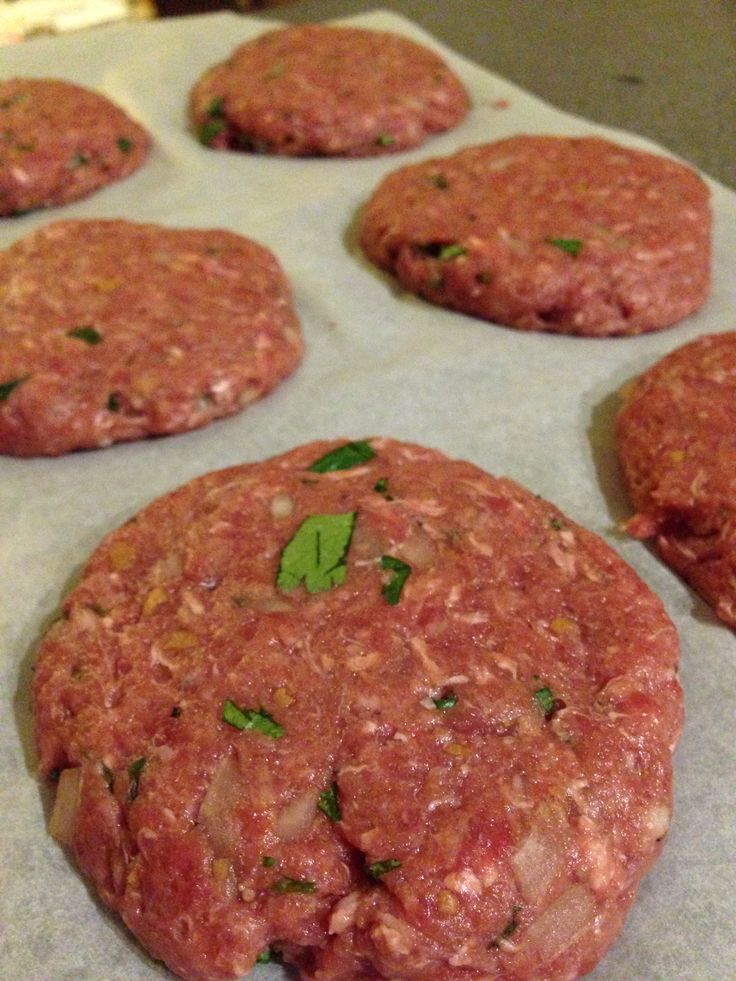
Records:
x=87, y=334
x=176, y=712
x=276, y=71
x=570, y=245
x=329, y=804
x=285, y=884
x=556, y=524
x=547, y=702
x=79, y=159
x=381, y=486
x=268, y=861
x=259, y=720
x=7, y=387
x=316, y=553
x=264, y=957
x=440, y=181
x=444, y=251
x=385, y=139
x=208, y=130
x=113, y=403
x=124, y=144
x=510, y=928
x=343, y=457
x=134, y=772
x=446, y=702
x=214, y=109
x=377, y=869
x=392, y=589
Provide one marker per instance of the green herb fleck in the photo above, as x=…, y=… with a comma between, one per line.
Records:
x=215, y=108
x=444, y=251
x=446, y=702
x=381, y=485
x=268, y=861
x=329, y=804
x=276, y=71
x=440, y=181
x=556, y=524
x=317, y=552
x=124, y=144
x=377, y=869
x=344, y=457
x=570, y=245
x=510, y=928
x=176, y=712
x=87, y=334
x=285, y=884
x=385, y=139
x=547, y=702
x=392, y=589
x=113, y=403
x=251, y=719
x=79, y=159
x=7, y=387
x=134, y=772
x=208, y=130
x=264, y=957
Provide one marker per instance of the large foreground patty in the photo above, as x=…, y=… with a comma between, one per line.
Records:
x=675, y=437
x=575, y=236
x=113, y=331
x=399, y=719
x=336, y=91
x=60, y=142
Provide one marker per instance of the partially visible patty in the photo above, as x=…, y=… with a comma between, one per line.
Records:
x=321, y=90
x=449, y=756
x=676, y=438
x=113, y=331
x=570, y=235
x=60, y=142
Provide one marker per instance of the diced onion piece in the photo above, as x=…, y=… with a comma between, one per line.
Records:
x=561, y=924
x=61, y=825
x=536, y=865
x=216, y=815
x=296, y=818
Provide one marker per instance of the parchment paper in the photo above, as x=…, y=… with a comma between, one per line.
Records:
x=536, y=407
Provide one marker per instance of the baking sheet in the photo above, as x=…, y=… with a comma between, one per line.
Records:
x=536, y=407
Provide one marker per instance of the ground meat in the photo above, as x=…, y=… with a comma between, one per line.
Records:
x=675, y=439
x=397, y=720
x=323, y=90
x=113, y=331
x=574, y=236
x=60, y=142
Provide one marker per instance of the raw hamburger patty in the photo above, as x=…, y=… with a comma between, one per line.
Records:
x=401, y=720
x=60, y=142
x=319, y=90
x=675, y=438
x=574, y=236
x=114, y=331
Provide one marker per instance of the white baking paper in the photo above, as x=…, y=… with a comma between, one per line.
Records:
x=536, y=407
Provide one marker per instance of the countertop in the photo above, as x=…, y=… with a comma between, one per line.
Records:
x=665, y=69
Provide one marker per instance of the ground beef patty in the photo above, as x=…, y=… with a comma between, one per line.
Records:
x=114, y=331
x=60, y=142
x=675, y=439
x=320, y=90
x=395, y=717
x=574, y=236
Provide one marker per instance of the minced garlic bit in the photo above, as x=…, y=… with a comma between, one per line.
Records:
x=283, y=698
x=155, y=598
x=447, y=903
x=180, y=640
